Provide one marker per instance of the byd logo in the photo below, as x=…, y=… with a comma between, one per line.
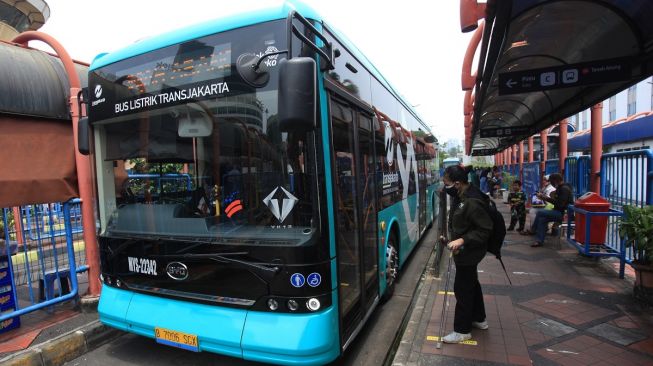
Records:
x=177, y=271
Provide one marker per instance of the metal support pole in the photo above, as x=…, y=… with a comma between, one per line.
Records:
x=521, y=160
x=530, y=149
x=597, y=147
x=562, y=128
x=545, y=151
x=82, y=162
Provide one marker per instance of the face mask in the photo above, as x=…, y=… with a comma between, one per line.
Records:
x=451, y=190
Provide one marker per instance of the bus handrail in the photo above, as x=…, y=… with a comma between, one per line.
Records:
x=293, y=30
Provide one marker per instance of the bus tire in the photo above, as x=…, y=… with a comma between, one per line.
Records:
x=391, y=266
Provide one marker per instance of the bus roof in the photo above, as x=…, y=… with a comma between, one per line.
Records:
x=234, y=21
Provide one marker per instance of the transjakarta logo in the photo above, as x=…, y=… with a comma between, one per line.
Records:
x=98, y=94
x=172, y=96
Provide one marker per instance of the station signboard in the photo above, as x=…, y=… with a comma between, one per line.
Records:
x=565, y=76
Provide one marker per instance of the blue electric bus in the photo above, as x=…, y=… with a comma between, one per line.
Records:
x=307, y=182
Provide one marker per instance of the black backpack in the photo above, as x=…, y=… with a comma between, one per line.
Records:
x=495, y=242
x=498, y=229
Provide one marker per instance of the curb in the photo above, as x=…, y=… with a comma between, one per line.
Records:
x=59, y=350
x=399, y=353
x=405, y=354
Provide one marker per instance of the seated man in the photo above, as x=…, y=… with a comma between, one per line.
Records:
x=560, y=199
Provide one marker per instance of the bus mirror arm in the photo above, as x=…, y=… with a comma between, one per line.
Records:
x=83, y=136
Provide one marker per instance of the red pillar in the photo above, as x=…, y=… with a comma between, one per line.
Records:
x=18, y=226
x=562, y=128
x=545, y=151
x=597, y=147
x=530, y=149
x=82, y=162
x=521, y=160
x=510, y=162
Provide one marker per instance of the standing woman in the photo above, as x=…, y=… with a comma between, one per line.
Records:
x=470, y=227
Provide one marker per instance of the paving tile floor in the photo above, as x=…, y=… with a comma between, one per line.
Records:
x=562, y=308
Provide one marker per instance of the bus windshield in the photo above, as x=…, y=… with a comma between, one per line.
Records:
x=191, y=151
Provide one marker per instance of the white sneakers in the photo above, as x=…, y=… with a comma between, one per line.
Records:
x=455, y=337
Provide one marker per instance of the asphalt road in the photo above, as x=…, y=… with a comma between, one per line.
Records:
x=371, y=347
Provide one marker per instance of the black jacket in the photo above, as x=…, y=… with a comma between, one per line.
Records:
x=470, y=220
x=562, y=197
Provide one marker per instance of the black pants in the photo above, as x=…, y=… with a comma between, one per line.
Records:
x=469, y=299
x=517, y=216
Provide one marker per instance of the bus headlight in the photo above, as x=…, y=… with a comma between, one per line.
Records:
x=118, y=283
x=273, y=304
x=313, y=304
x=293, y=305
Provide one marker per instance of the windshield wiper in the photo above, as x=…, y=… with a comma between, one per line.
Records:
x=262, y=271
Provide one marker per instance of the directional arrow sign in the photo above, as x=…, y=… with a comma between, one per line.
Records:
x=511, y=83
x=566, y=76
x=483, y=152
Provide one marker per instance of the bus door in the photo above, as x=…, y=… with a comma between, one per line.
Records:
x=421, y=169
x=354, y=199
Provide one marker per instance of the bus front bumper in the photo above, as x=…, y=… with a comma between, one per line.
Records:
x=281, y=338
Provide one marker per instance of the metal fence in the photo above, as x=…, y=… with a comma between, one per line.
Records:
x=627, y=178
x=577, y=171
x=46, y=250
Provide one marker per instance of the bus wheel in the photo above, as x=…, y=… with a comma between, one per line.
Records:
x=391, y=267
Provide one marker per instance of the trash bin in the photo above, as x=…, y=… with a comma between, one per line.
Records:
x=592, y=202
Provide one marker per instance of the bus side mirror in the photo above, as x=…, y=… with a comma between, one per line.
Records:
x=297, y=93
x=83, y=136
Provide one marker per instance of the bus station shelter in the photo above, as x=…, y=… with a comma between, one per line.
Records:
x=541, y=61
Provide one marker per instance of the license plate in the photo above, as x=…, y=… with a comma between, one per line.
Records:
x=176, y=339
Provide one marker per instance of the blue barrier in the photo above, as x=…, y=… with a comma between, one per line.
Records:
x=627, y=178
x=614, y=246
x=552, y=166
x=49, y=218
x=43, y=262
x=577, y=170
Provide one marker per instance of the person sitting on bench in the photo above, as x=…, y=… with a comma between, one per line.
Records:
x=560, y=199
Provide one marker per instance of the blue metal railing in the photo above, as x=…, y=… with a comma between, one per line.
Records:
x=613, y=245
x=43, y=262
x=49, y=218
x=577, y=169
x=627, y=178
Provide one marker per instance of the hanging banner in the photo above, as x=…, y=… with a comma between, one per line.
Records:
x=531, y=176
